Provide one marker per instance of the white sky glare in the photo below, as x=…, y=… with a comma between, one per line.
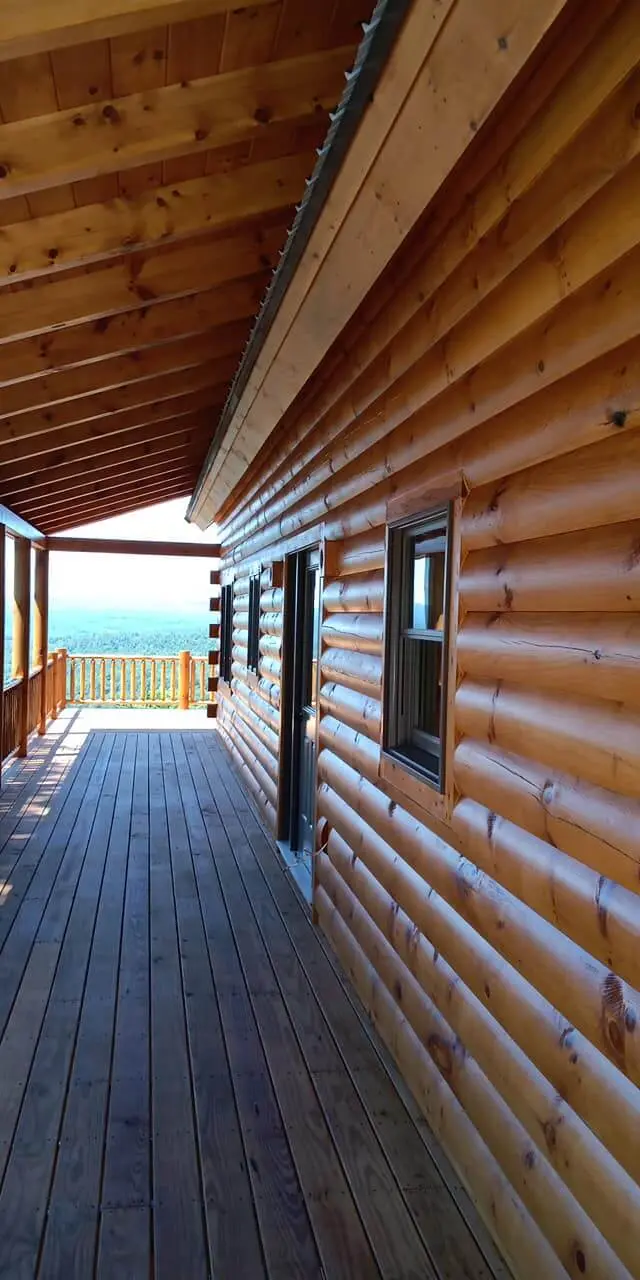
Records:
x=149, y=583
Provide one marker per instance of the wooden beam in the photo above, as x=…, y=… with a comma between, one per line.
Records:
x=41, y=630
x=42, y=25
x=143, y=128
x=137, y=280
x=15, y=524
x=130, y=547
x=364, y=223
x=140, y=454
x=152, y=491
x=122, y=370
x=21, y=628
x=100, y=404
x=48, y=506
x=103, y=448
x=141, y=461
x=42, y=246
x=105, y=429
x=140, y=502
x=226, y=309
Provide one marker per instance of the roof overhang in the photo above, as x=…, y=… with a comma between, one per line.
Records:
x=446, y=73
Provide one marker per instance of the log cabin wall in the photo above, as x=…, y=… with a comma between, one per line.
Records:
x=495, y=945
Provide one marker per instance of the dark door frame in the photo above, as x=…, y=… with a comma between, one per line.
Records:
x=291, y=690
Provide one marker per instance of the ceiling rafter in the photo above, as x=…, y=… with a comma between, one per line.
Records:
x=43, y=25
x=91, y=233
x=148, y=180
x=48, y=469
x=156, y=125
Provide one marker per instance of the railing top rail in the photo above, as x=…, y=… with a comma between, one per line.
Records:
x=137, y=657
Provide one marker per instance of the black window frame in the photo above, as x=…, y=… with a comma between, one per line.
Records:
x=226, y=632
x=422, y=753
x=253, y=638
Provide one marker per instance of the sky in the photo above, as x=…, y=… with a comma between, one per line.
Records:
x=153, y=583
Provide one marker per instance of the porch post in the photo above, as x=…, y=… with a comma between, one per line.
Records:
x=3, y=599
x=41, y=630
x=21, y=628
x=62, y=678
x=184, y=680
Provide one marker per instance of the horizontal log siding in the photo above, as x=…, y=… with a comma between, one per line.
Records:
x=497, y=952
x=248, y=714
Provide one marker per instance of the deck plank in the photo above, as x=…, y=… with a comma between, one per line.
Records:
x=342, y=1242
x=287, y=1238
x=189, y=1087
x=453, y=1248
x=232, y=1229
x=398, y=1248
x=72, y=1223
x=179, y=1242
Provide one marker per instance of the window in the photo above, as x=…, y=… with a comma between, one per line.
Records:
x=253, y=642
x=418, y=569
x=226, y=632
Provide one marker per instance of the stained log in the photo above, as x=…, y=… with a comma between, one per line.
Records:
x=592, y=824
x=531, y=1103
x=599, y=742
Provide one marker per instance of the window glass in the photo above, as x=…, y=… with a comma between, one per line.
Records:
x=427, y=603
x=416, y=643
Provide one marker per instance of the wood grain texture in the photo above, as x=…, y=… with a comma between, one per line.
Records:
x=167, y=1009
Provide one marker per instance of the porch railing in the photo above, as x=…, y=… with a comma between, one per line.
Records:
x=13, y=702
x=135, y=680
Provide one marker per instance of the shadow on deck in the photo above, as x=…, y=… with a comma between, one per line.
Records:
x=187, y=1087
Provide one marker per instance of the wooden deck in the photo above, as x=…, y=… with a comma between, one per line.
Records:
x=187, y=1088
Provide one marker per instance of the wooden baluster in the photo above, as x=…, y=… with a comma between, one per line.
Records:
x=112, y=678
x=143, y=680
x=72, y=679
x=172, y=685
x=83, y=679
x=92, y=678
x=163, y=679
x=103, y=679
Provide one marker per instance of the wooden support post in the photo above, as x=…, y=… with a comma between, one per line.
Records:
x=53, y=686
x=62, y=679
x=184, y=680
x=3, y=597
x=41, y=630
x=21, y=627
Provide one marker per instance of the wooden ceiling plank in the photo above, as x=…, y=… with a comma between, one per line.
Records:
x=96, y=491
x=49, y=469
x=106, y=429
x=92, y=233
x=119, y=371
x=147, y=498
x=228, y=309
x=101, y=404
x=137, y=280
x=143, y=457
x=138, y=61
x=144, y=128
x=41, y=25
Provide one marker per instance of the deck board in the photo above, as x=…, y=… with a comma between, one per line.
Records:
x=189, y=1088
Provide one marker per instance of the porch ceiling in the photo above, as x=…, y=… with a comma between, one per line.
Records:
x=148, y=176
